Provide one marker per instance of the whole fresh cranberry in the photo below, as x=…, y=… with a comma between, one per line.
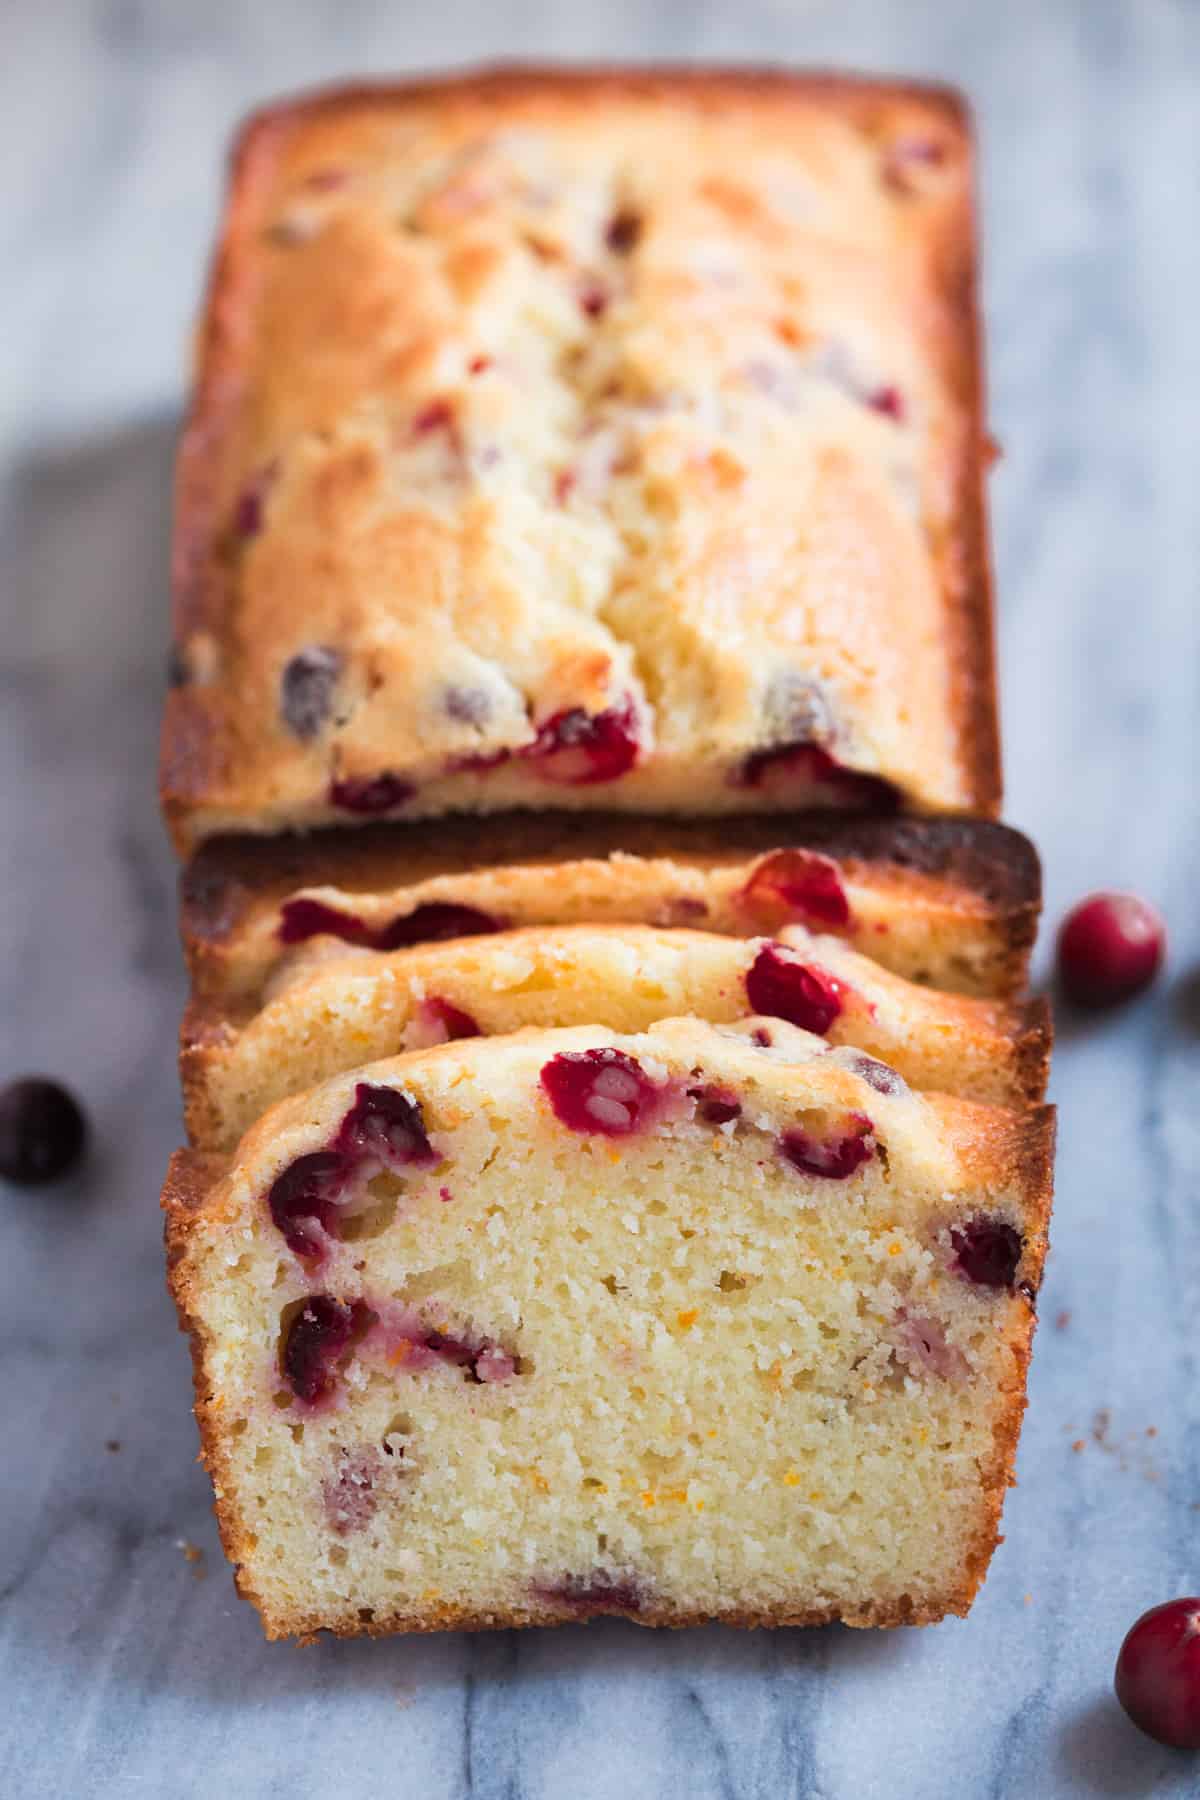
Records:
x=42, y=1131
x=783, y=987
x=1109, y=948
x=600, y=1090
x=1158, y=1673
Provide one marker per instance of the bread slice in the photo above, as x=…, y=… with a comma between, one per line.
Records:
x=950, y=902
x=603, y=437
x=332, y=1007
x=517, y=1331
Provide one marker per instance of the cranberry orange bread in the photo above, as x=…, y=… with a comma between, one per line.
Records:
x=673, y=1326
x=587, y=438
x=336, y=1007
x=951, y=902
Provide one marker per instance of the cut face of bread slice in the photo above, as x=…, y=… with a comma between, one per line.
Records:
x=333, y=1007
x=673, y=1326
x=953, y=903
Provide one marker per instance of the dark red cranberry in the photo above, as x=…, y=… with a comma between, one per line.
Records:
x=42, y=1130
x=879, y=1075
x=714, y=1105
x=624, y=230
x=385, y=1126
x=249, y=509
x=1158, y=1673
x=836, y=1157
x=812, y=766
x=593, y=299
x=306, y=690
x=304, y=1201
x=1109, y=948
x=588, y=1596
x=373, y=794
x=432, y=922
x=987, y=1250
x=889, y=401
x=479, y=365
x=437, y=416
x=600, y=1090
x=800, y=883
x=486, y=1362
x=782, y=987
x=578, y=748
x=318, y=1336
x=441, y=1022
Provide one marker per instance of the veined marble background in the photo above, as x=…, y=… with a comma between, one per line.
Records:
x=127, y=1669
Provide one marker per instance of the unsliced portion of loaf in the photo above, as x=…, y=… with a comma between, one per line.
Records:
x=675, y=1326
x=953, y=903
x=603, y=438
x=332, y=1007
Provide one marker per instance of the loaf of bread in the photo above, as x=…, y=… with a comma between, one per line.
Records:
x=949, y=902
x=679, y=1326
x=595, y=439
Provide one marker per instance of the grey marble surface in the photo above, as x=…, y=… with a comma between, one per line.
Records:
x=127, y=1669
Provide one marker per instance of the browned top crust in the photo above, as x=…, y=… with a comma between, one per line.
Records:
x=546, y=505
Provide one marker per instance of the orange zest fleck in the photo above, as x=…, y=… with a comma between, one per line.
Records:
x=687, y=1318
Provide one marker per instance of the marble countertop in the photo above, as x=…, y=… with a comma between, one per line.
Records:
x=128, y=1665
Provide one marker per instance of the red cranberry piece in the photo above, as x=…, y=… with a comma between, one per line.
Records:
x=921, y=1344
x=437, y=416
x=249, y=509
x=588, y=1596
x=813, y=766
x=303, y=919
x=879, y=1075
x=487, y=1362
x=439, y=1021
x=784, y=988
x=600, y=1090
x=1158, y=1673
x=889, y=401
x=321, y=1332
x=306, y=690
x=834, y=1157
x=801, y=883
x=1109, y=948
x=593, y=299
x=433, y=922
x=42, y=1131
x=375, y=794
x=987, y=1251
x=624, y=230
x=304, y=1201
x=479, y=365
x=714, y=1105
x=385, y=1126
x=578, y=748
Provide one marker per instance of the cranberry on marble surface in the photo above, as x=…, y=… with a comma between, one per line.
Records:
x=801, y=883
x=385, y=1126
x=987, y=1250
x=42, y=1131
x=578, y=748
x=304, y=1201
x=1157, y=1676
x=306, y=690
x=371, y=794
x=320, y=1333
x=810, y=765
x=781, y=986
x=600, y=1090
x=1110, y=947
x=835, y=1157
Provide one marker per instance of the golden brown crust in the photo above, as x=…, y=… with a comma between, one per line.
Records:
x=206, y=741
x=984, y=877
